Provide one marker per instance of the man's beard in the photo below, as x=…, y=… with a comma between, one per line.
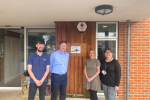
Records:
x=40, y=50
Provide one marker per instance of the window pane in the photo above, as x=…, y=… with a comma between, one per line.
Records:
x=102, y=45
x=106, y=30
x=21, y=52
x=47, y=34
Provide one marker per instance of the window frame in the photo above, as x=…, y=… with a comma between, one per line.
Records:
x=25, y=43
x=107, y=40
x=101, y=95
x=106, y=23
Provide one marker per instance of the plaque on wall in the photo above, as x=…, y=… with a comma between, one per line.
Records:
x=75, y=49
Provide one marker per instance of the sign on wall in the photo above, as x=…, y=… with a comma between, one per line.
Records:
x=75, y=49
x=81, y=27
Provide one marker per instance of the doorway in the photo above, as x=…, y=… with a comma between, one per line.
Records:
x=16, y=44
x=10, y=63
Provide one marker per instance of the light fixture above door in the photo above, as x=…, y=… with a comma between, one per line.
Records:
x=104, y=9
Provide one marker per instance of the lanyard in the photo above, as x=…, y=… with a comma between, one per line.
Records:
x=106, y=65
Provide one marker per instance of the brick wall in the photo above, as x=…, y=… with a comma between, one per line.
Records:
x=122, y=59
x=139, y=60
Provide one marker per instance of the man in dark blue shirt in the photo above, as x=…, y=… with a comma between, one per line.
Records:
x=58, y=70
x=38, y=69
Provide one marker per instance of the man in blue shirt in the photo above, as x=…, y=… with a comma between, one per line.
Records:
x=58, y=70
x=38, y=69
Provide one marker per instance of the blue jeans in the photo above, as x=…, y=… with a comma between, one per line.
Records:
x=58, y=82
x=109, y=92
x=32, y=91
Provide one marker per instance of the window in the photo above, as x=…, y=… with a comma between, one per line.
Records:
x=106, y=30
x=102, y=44
x=106, y=37
x=48, y=34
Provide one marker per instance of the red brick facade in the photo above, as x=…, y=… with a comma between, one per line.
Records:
x=139, y=60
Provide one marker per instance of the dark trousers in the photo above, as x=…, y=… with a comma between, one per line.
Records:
x=32, y=91
x=93, y=94
x=58, y=82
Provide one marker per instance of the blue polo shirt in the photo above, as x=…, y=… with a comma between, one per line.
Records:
x=39, y=64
